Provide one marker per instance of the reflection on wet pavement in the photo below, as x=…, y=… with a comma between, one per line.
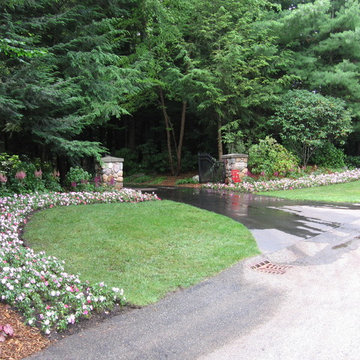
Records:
x=275, y=223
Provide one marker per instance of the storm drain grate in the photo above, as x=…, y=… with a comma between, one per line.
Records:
x=267, y=267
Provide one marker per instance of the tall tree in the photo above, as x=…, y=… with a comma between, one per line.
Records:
x=79, y=82
x=235, y=47
x=324, y=38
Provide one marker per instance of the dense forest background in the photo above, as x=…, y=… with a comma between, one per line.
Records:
x=157, y=81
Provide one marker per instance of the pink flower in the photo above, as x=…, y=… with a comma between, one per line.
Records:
x=3, y=178
x=73, y=184
x=38, y=174
x=20, y=175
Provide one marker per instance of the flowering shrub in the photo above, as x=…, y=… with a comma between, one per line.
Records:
x=36, y=284
x=290, y=184
x=25, y=176
x=78, y=178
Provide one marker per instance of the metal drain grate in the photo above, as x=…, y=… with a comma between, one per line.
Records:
x=267, y=267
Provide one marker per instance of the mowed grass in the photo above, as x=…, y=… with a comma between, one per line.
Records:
x=347, y=192
x=148, y=249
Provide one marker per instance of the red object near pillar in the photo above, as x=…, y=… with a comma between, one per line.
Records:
x=235, y=175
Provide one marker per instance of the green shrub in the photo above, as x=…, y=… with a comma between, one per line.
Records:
x=269, y=158
x=78, y=179
x=186, y=181
x=353, y=161
x=330, y=156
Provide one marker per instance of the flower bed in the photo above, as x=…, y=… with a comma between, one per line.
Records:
x=290, y=184
x=36, y=284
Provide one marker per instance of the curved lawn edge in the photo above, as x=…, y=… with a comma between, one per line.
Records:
x=151, y=249
x=36, y=284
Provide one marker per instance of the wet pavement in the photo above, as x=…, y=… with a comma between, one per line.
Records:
x=275, y=223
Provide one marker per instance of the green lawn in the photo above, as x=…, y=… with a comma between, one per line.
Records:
x=347, y=192
x=148, y=249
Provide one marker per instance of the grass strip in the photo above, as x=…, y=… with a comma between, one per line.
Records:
x=149, y=249
x=346, y=192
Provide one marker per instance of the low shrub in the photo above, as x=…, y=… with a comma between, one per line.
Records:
x=353, y=161
x=186, y=181
x=78, y=179
x=329, y=156
x=269, y=158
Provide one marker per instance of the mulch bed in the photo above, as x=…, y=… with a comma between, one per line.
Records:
x=25, y=341
x=28, y=340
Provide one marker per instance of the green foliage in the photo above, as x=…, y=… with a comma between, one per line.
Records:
x=241, y=65
x=77, y=179
x=329, y=156
x=271, y=158
x=73, y=72
x=9, y=163
x=306, y=121
x=186, y=181
x=147, y=158
x=26, y=176
x=79, y=81
x=232, y=137
x=323, y=37
x=353, y=161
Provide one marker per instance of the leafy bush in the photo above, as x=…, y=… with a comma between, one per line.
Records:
x=186, y=181
x=306, y=121
x=353, y=161
x=270, y=158
x=329, y=156
x=78, y=179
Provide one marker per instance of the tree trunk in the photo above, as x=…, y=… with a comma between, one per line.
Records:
x=219, y=138
x=181, y=137
x=167, y=129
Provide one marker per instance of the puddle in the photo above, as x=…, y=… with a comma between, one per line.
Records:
x=275, y=223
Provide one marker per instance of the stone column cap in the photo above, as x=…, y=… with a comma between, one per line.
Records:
x=228, y=156
x=111, y=159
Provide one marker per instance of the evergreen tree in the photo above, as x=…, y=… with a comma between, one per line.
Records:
x=324, y=37
x=80, y=82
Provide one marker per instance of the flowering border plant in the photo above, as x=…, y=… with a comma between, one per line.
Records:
x=36, y=284
x=289, y=184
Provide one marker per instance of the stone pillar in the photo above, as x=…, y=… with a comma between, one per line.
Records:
x=112, y=171
x=235, y=162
